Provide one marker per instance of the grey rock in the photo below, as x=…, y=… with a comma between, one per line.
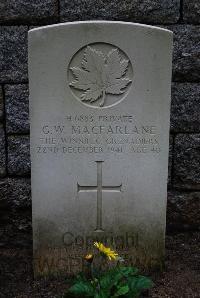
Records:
x=13, y=54
x=2, y=152
x=17, y=108
x=15, y=229
x=183, y=211
x=191, y=11
x=186, y=58
x=187, y=161
x=15, y=193
x=144, y=11
x=170, y=160
x=28, y=11
x=1, y=104
x=185, y=108
x=15, y=212
x=18, y=155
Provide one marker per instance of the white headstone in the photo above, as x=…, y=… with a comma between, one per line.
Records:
x=100, y=106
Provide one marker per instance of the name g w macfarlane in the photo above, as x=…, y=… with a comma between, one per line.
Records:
x=126, y=130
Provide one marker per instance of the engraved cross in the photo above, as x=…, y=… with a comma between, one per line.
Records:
x=99, y=189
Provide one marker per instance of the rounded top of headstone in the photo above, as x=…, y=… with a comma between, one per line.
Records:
x=104, y=23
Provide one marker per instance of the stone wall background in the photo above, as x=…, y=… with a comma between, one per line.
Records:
x=16, y=18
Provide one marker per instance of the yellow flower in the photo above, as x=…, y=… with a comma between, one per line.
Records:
x=112, y=255
x=89, y=258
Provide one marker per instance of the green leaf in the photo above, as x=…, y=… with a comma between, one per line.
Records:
x=82, y=288
x=101, y=295
x=106, y=281
x=133, y=291
x=137, y=284
x=110, y=278
x=126, y=271
x=122, y=291
x=143, y=283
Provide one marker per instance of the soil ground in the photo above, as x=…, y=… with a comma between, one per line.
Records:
x=180, y=279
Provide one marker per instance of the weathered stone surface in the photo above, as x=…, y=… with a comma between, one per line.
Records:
x=144, y=11
x=15, y=193
x=28, y=11
x=183, y=211
x=2, y=152
x=191, y=11
x=17, y=108
x=18, y=155
x=187, y=161
x=13, y=53
x=185, y=107
x=1, y=104
x=186, y=58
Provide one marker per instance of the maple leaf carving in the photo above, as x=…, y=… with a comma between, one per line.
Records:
x=100, y=74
